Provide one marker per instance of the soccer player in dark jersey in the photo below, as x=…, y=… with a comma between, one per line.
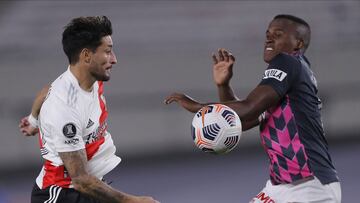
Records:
x=286, y=107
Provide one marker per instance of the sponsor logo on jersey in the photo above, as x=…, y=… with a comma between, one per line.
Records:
x=69, y=130
x=274, y=73
x=97, y=134
x=73, y=141
x=90, y=123
x=264, y=198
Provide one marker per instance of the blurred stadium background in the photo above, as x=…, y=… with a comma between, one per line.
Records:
x=162, y=47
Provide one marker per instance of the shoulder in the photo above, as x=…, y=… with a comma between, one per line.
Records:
x=64, y=90
x=285, y=59
x=61, y=97
x=285, y=63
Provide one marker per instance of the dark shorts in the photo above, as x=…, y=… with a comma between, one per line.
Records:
x=56, y=194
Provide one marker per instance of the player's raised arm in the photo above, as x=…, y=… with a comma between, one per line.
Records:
x=28, y=124
x=75, y=162
x=222, y=74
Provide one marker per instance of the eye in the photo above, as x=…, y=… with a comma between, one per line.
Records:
x=278, y=34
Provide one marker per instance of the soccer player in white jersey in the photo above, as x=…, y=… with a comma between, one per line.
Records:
x=77, y=148
x=286, y=107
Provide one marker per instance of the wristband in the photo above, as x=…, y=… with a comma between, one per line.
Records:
x=33, y=121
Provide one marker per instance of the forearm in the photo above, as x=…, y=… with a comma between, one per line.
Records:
x=75, y=162
x=259, y=100
x=226, y=93
x=244, y=109
x=97, y=189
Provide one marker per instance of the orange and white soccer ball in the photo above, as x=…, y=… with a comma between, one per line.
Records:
x=216, y=128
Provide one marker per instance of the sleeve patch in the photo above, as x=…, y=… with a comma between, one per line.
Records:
x=69, y=130
x=274, y=73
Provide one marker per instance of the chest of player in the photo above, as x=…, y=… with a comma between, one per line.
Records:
x=94, y=121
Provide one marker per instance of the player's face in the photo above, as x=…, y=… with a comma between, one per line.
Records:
x=102, y=60
x=280, y=37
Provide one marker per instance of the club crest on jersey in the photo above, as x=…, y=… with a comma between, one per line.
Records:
x=69, y=130
x=274, y=73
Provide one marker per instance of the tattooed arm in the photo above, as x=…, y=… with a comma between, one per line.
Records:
x=75, y=163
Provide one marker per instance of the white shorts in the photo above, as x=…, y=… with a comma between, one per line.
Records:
x=304, y=191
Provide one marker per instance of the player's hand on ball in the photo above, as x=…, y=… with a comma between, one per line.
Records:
x=185, y=101
x=27, y=129
x=222, y=69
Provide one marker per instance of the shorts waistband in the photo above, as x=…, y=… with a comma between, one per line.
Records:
x=303, y=180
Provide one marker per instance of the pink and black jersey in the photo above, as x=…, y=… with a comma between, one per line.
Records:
x=72, y=119
x=292, y=131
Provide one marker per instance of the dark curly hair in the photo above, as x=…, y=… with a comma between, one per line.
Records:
x=84, y=32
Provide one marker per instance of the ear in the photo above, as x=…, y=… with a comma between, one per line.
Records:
x=299, y=44
x=85, y=55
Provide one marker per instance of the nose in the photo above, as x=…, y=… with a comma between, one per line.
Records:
x=113, y=59
x=269, y=38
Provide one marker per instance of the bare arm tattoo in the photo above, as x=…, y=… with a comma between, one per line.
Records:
x=75, y=163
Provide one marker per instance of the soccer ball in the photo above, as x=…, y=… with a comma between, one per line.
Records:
x=216, y=128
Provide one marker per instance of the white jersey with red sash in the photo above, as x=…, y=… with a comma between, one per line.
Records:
x=72, y=119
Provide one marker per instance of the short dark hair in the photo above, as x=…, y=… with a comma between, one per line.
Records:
x=305, y=33
x=84, y=32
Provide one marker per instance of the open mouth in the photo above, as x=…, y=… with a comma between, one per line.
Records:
x=269, y=49
x=108, y=70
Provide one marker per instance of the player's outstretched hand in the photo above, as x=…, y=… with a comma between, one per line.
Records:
x=27, y=129
x=222, y=69
x=185, y=101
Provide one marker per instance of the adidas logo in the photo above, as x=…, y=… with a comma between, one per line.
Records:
x=90, y=123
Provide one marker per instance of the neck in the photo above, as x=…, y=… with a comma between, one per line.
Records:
x=297, y=53
x=85, y=80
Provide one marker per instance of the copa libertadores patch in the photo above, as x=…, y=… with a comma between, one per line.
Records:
x=69, y=130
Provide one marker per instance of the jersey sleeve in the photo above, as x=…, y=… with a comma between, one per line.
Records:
x=66, y=129
x=281, y=73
